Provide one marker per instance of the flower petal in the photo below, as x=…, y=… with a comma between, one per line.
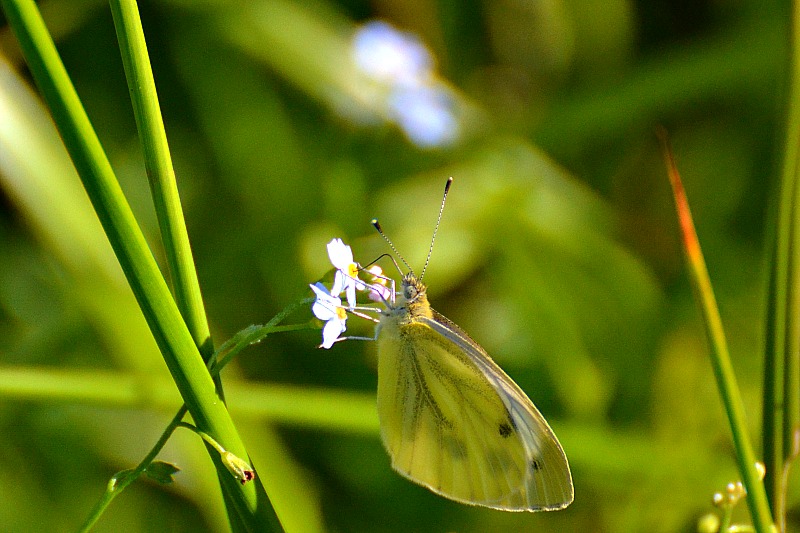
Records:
x=339, y=283
x=325, y=306
x=379, y=293
x=322, y=311
x=331, y=332
x=351, y=293
x=340, y=254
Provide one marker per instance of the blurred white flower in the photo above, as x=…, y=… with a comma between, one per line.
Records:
x=426, y=115
x=408, y=90
x=391, y=56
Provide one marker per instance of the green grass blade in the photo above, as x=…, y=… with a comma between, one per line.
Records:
x=781, y=416
x=772, y=415
x=318, y=408
x=163, y=317
x=160, y=171
x=720, y=358
x=790, y=181
x=161, y=176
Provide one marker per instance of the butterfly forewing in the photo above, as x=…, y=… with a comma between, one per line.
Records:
x=453, y=421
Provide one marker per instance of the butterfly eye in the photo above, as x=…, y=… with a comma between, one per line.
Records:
x=410, y=292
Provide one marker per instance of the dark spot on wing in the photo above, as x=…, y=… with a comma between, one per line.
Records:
x=505, y=429
x=536, y=465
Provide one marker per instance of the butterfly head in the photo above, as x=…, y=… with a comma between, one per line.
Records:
x=412, y=296
x=412, y=289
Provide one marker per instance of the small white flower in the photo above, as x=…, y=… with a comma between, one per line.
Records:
x=346, y=278
x=329, y=309
x=378, y=291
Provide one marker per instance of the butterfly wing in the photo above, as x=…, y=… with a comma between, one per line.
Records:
x=454, y=422
x=549, y=481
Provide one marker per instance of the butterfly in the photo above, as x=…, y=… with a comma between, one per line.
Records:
x=452, y=420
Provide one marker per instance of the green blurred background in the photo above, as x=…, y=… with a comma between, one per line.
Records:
x=558, y=250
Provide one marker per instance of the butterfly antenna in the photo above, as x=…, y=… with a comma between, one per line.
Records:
x=436, y=229
x=377, y=226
